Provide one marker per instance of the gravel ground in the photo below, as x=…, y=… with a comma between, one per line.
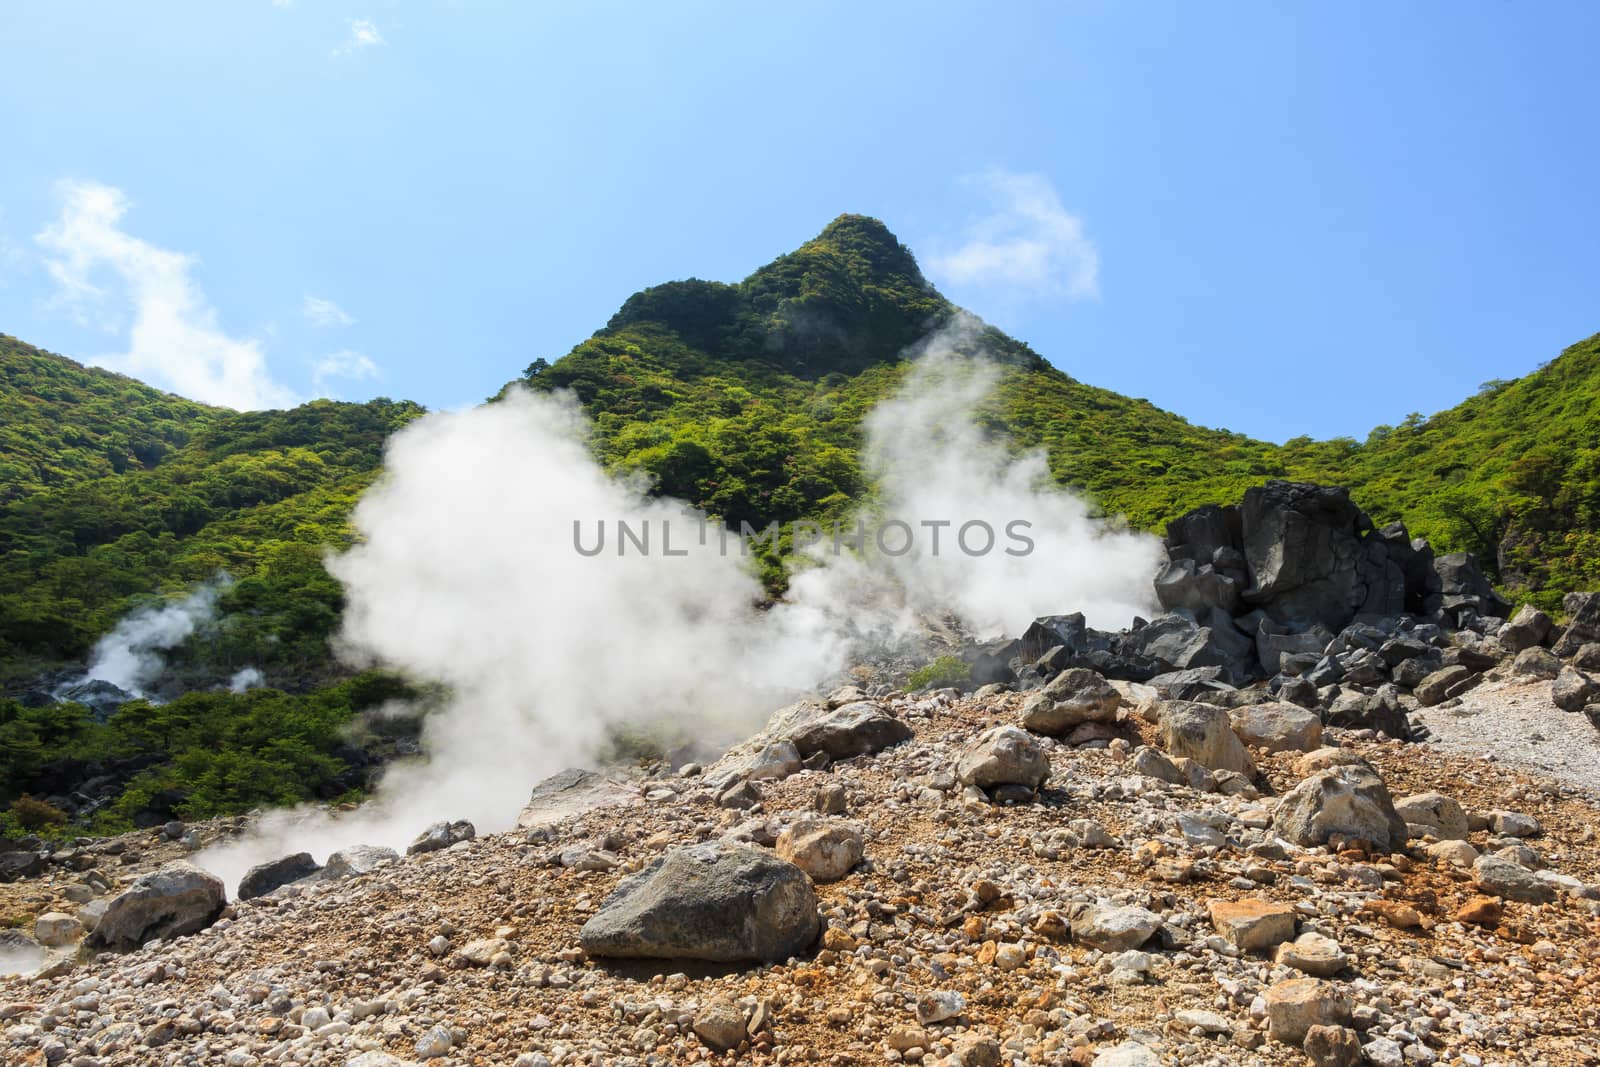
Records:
x=1513, y=722
x=954, y=897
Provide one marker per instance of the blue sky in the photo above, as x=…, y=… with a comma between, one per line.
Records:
x=1280, y=219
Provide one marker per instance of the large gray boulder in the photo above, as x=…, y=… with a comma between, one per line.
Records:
x=1278, y=727
x=178, y=899
x=441, y=835
x=718, y=902
x=263, y=878
x=1072, y=698
x=1003, y=755
x=357, y=859
x=1349, y=801
x=1573, y=690
x=855, y=729
x=1204, y=733
x=1434, y=813
x=1528, y=628
x=1583, y=623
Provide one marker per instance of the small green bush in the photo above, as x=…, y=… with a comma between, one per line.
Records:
x=35, y=815
x=944, y=671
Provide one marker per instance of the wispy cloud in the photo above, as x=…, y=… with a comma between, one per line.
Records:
x=1025, y=242
x=322, y=312
x=174, y=340
x=363, y=34
x=346, y=364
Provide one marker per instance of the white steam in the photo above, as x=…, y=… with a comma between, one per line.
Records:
x=130, y=656
x=245, y=679
x=996, y=542
x=17, y=957
x=467, y=575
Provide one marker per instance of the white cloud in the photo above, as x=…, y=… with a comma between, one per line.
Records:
x=323, y=312
x=1026, y=243
x=341, y=364
x=363, y=34
x=174, y=341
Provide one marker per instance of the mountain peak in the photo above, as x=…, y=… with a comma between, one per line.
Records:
x=849, y=297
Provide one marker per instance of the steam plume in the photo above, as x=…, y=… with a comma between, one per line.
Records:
x=467, y=575
x=130, y=656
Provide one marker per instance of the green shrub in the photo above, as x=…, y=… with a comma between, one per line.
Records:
x=942, y=672
x=35, y=815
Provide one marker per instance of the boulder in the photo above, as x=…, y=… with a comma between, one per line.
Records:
x=717, y=902
x=826, y=849
x=1573, y=690
x=1195, y=587
x=1302, y=546
x=1153, y=763
x=1536, y=662
x=572, y=792
x=720, y=1023
x=1295, y=1005
x=1312, y=953
x=1435, y=813
x=441, y=835
x=850, y=730
x=1583, y=623
x=1502, y=878
x=1115, y=929
x=1126, y=1054
x=1463, y=587
x=1333, y=1046
x=1528, y=628
x=1204, y=734
x=54, y=929
x=1200, y=534
x=1275, y=643
x=1278, y=727
x=19, y=864
x=1180, y=640
x=263, y=878
x=1252, y=925
x=178, y=899
x=1349, y=801
x=357, y=859
x=1072, y=698
x=1002, y=756
x=1197, y=683
x=1443, y=684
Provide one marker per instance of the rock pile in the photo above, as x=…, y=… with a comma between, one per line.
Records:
x=1296, y=587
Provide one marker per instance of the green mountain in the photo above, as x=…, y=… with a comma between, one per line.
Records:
x=745, y=399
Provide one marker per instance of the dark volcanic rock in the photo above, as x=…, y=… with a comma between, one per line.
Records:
x=1583, y=623
x=717, y=902
x=263, y=878
x=15, y=865
x=1303, y=546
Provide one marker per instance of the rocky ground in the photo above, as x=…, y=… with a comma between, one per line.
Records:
x=1108, y=916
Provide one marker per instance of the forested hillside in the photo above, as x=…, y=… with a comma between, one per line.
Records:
x=745, y=399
